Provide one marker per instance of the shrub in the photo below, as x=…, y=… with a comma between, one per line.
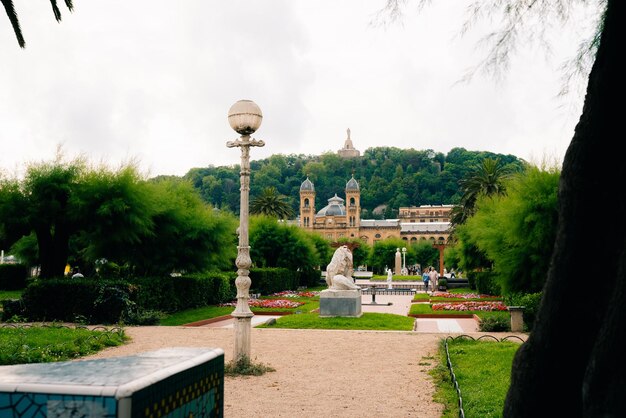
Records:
x=172, y=294
x=309, y=277
x=485, y=282
x=495, y=322
x=530, y=302
x=13, y=276
x=271, y=280
x=101, y=301
x=12, y=309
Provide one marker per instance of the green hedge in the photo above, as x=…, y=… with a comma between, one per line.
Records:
x=172, y=294
x=13, y=276
x=485, y=282
x=271, y=280
x=310, y=277
x=101, y=301
x=110, y=301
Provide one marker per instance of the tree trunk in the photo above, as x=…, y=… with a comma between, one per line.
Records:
x=573, y=363
x=53, y=251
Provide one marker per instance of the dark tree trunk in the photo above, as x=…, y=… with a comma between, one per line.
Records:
x=53, y=251
x=574, y=361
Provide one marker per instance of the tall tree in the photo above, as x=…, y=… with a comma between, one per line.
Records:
x=9, y=7
x=588, y=377
x=592, y=377
x=59, y=200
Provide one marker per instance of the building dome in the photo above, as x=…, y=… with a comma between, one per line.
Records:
x=352, y=184
x=335, y=207
x=307, y=185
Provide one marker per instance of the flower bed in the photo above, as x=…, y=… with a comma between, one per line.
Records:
x=269, y=303
x=461, y=295
x=469, y=306
x=294, y=294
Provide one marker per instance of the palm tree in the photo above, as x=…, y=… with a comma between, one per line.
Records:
x=486, y=179
x=271, y=203
x=12, y=14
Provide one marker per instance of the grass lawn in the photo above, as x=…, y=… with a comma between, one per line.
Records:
x=368, y=321
x=207, y=312
x=482, y=370
x=42, y=344
x=196, y=314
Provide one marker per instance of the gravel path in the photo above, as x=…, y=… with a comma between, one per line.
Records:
x=328, y=373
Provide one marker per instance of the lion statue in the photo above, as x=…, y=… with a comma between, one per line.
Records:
x=339, y=270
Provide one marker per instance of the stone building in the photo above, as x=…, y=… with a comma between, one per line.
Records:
x=342, y=218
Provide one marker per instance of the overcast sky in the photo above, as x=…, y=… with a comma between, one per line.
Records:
x=153, y=80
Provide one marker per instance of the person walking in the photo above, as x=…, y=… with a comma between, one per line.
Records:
x=426, y=279
x=434, y=277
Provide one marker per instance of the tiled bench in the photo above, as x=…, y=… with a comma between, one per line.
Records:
x=172, y=382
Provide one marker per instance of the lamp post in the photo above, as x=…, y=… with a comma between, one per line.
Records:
x=440, y=246
x=404, y=270
x=245, y=118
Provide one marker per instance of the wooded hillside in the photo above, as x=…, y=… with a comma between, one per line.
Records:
x=387, y=176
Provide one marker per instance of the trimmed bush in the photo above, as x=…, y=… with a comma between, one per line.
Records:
x=97, y=301
x=172, y=294
x=485, y=282
x=309, y=277
x=13, y=276
x=271, y=280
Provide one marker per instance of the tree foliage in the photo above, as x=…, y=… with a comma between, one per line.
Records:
x=516, y=231
x=83, y=214
x=271, y=203
x=387, y=176
x=276, y=244
x=9, y=7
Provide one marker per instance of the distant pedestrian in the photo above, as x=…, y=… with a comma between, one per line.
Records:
x=426, y=279
x=434, y=277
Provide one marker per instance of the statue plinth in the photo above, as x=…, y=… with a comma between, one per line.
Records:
x=340, y=303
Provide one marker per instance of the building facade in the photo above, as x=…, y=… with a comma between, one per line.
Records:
x=342, y=218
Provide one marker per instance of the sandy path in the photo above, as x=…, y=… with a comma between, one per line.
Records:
x=319, y=373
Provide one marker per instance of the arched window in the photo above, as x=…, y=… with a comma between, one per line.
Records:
x=306, y=202
x=413, y=239
x=377, y=236
x=352, y=201
x=405, y=239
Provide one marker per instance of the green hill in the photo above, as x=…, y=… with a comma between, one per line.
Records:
x=387, y=176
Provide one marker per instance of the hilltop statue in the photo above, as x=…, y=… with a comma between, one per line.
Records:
x=339, y=270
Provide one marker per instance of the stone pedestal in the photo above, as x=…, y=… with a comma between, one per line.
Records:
x=340, y=303
x=517, y=318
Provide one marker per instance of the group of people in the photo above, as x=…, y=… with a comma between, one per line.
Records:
x=430, y=275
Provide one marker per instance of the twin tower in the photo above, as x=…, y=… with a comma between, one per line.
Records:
x=334, y=219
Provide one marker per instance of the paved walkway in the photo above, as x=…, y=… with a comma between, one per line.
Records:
x=395, y=304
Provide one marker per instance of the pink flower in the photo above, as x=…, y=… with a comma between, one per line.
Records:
x=469, y=306
x=268, y=303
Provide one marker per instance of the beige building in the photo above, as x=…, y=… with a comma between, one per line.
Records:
x=342, y=218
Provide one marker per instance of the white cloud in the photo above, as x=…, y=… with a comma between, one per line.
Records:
x=154, y=80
